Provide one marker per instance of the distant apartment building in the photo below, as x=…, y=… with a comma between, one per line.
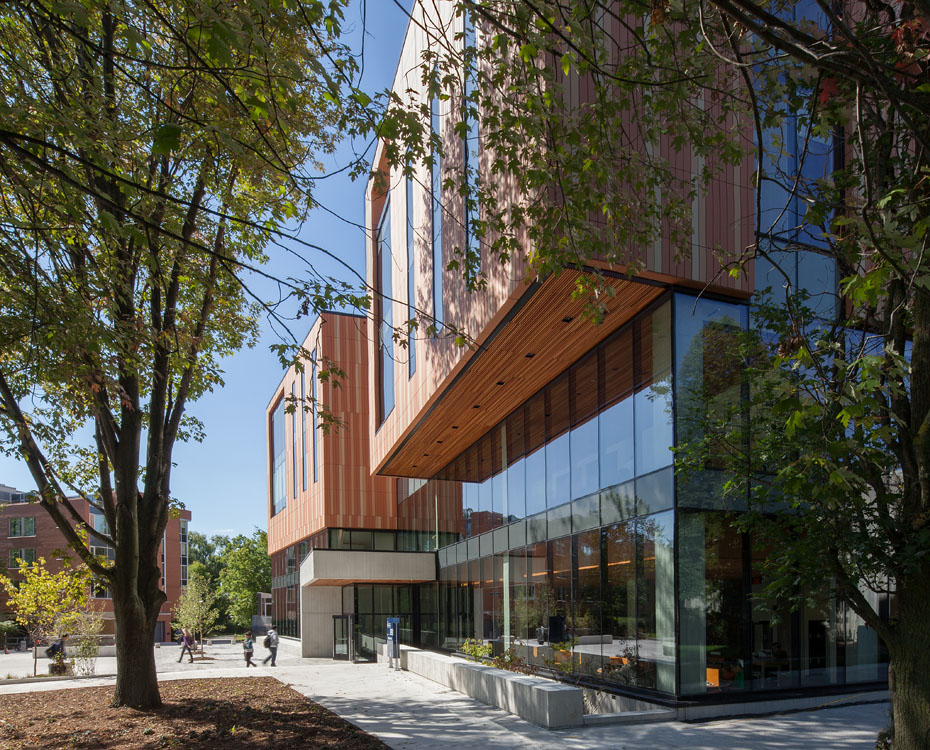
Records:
x=27, y=532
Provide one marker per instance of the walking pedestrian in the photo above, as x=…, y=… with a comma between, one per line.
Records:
x=271, y=643
x=248, y=648
x=187, y=642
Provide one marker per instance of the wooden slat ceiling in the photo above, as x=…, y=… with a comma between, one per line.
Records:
x=501, y=374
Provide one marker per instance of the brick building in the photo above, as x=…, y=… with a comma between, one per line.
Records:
x=28, y=532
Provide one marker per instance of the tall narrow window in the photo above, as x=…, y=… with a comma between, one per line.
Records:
x=184, y=550
x=436, y=202
x=294, y=443
x=411, y=278
x=303, y=425
x=386, y=308
x=471, y=150
x=313, y=425
x=278, y=460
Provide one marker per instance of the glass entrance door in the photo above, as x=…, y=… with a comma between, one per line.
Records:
x=342, y=637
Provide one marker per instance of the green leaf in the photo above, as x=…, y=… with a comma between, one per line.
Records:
x=167, y=138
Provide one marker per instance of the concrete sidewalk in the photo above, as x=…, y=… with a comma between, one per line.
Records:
x=410, y=712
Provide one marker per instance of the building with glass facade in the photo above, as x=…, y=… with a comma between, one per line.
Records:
x=536, y=466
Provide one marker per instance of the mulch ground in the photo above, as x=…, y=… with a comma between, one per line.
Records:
x=233, y=714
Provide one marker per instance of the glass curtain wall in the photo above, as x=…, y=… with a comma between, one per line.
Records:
x=581, y=549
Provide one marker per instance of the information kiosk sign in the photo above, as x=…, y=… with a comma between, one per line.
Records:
x=393, y=644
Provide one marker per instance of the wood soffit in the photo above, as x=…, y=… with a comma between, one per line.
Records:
x=542, y=339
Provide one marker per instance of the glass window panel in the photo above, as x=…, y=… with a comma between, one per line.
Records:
x=499, y=500
x=560, y=552
x=655, y=602
x=470, y=510
x=817, y=275
x=819, y=624
x=485, y=545
x=655, y=492
x=365, y=599
x=279, y=460
x=586, y=618
x=560, y=521
x=485, y=493
x=384, y=600
x=519, y=615
x=383, y=540
x=536, y=528
x=863, y=654
x=653, y=344
x=616, y=363
x=616, y=443
x=539, y=596
x=558, y=471
x=501, y=542
x=711, y=598
x=386, y=310
x=404, y=600
x=586, y=512
x=653, y=418
x=618, y=503
x=584, y=458
x=516, y=490
x=535, y=482
x=362, y=540
x=708, y=385
x=339, y=539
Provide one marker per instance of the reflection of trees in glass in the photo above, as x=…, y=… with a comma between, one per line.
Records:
x=708, y=383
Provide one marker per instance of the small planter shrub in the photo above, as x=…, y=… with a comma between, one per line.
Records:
x=476, y=650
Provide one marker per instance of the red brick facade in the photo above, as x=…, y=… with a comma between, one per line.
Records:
x=49, y=542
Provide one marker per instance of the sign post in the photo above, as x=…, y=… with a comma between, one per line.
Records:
x=393, y=644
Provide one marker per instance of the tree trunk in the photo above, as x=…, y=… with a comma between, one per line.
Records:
x=136, y=679
x=909, y=678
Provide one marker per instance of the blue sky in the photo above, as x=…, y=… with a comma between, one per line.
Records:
x=222, y=481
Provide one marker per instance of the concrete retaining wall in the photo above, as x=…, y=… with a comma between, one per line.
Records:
x=544, y=702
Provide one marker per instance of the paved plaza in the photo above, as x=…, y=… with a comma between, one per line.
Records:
x=410, y=712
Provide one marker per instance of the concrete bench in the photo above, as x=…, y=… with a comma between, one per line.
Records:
x=544, y=702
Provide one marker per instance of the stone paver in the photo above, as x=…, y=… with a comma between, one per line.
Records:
x=410, y=712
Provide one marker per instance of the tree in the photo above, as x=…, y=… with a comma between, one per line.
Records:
x=209, y=554
x=838, y=385
x=149, y=153
x=246, y=571
x=194, y=608
x=47, y=603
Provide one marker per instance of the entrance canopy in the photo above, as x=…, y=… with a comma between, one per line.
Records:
x=340, y=567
